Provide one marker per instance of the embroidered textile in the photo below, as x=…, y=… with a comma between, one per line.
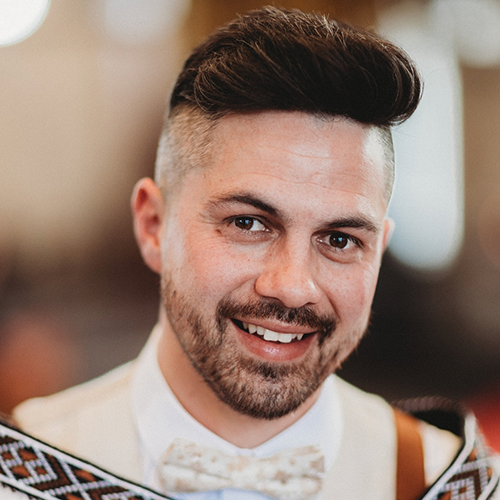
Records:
x=472, y=475
x=42, y=472
x=45, y=473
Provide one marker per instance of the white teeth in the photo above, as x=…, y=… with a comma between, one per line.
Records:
x=252, y=328
x=272, y=336
x=286, y=337
x=261, y=331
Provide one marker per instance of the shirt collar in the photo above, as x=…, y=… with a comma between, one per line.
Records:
x=160, y=418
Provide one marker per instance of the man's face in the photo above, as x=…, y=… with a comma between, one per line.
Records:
x=270, y=257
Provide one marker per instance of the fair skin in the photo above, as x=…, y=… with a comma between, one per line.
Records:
x=284, y=231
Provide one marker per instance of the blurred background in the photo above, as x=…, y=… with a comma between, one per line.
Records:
x=83, y=87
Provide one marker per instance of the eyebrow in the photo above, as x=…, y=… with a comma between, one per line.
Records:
x=354, y=222
x=246, y=199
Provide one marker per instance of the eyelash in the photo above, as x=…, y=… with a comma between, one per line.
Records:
x=253, y=220
x=326, y=239
x=349, y=239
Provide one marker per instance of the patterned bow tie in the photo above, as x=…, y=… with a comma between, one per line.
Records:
x=295, y=474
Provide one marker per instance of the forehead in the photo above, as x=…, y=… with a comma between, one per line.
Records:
x=297, y=151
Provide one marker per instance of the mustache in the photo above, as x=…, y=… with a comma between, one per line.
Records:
x=263, y=309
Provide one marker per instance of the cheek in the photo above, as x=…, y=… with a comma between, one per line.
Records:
x=210, y=268
x=352, y=294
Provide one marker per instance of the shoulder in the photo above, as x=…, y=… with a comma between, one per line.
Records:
x=65, y=408
x=473, y=471
x=33, y=469
x=372, y=413
x=370, y=442
x=88, y=420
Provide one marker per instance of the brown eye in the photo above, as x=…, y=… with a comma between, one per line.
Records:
x=249, y=224
x=338, y=240
x=244, y=223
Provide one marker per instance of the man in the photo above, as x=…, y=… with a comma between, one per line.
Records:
x=267, y=223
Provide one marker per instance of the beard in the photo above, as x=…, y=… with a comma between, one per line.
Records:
x=251, y=386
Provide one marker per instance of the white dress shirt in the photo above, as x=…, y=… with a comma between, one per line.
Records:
x=160, y=418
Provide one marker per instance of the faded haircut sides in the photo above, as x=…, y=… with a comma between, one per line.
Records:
x=277, y=59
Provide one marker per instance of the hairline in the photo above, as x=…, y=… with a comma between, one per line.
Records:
x=186, y=140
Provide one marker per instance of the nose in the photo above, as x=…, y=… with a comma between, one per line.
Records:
x=289, y=276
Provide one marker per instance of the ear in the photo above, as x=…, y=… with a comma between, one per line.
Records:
x=148, y=208
x=388, y=230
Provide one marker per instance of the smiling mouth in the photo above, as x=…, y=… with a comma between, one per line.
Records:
x=269, y=335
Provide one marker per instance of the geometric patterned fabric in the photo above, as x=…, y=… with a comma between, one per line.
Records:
x=471, y=478
x=474, y=474
x=43, y=472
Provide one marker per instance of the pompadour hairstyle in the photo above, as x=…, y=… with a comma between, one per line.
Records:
x=278, y=59
x=275, y=59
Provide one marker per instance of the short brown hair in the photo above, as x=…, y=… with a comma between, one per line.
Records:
x=279, y=59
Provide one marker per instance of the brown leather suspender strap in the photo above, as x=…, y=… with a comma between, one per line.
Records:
x=410, y=476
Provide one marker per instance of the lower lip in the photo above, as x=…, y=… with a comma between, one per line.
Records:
x=273, y=351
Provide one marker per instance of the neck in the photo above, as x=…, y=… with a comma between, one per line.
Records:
x=201, y=402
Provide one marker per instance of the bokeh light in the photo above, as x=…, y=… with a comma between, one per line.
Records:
x=20, y=18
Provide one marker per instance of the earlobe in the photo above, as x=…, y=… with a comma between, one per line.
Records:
x=148, y=210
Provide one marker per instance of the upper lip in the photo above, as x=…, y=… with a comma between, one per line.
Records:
x=277, y=326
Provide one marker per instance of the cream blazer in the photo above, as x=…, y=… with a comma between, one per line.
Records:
x=94, y=421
